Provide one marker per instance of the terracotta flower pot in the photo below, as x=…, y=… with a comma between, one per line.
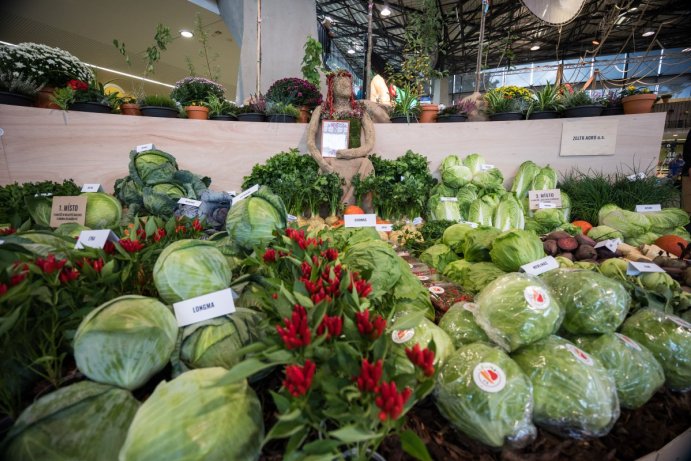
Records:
x=304, y=116
x=43, y=98
x=197, y=112
x=638, y=103
x=130, y=109
x=429, y=113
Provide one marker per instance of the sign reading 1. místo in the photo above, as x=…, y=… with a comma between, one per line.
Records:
x=68, y=209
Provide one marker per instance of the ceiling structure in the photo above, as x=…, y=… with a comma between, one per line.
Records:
x=511, y=30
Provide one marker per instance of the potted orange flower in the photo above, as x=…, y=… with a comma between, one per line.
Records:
x=637, y=100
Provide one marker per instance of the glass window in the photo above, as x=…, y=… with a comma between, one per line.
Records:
x=644, y=64
x=674, y=62
x=611, y=67
x=577, y=70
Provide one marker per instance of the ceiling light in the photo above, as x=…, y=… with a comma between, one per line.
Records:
x=596, y=42
x=631, y=10
x=675, y=135
x=186, y=33
x=534, y=47
x=351, y=51
x=386, y=11
x=648, y=33
x=686, y=50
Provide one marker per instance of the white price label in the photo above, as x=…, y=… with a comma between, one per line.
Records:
x=648, y=208
x=639, y=268
x=245, y=194
x=44, y=194
x=417, y=221
x=204, y=307
x=232, y=192
x=546, y=205
x=144, y=147
x=95, y=238
x=2, y=242
x=536, y=197
x=360, y=220
x=92, y=188
x=610, y=244
x=190, y=202
x=384, y=227
x=291, y=218
x=448, y=199
x=486, y=166
x=636, y=176
x=474, y=225
x=540, y=266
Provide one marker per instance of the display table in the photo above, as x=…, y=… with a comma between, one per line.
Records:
x=43, y=144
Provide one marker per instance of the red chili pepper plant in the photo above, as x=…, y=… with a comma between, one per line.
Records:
x=344, y=386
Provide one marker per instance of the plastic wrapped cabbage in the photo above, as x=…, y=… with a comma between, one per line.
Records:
x=636, y=373
x=214, y=342
x=475, y=276
x=454, y=236
x=189, y=268
x=438, y=256
x=125, y=341
x=592, y=302
x=573, y=393
x=377, y=261
x=459, y=323
x=668, y=337
x=424, y=332
x=517, y=309
x=515, y=248
x=193, y=417
x=601, y=233
x=409, y=289
x=478, y=243
x=103, y=211
x=454, y=269
x=83, y=421
x=483, y=393
x=252, y=221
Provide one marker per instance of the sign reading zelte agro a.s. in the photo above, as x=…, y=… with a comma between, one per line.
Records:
x=68, y=209
x=585, y=137
x=204, y=307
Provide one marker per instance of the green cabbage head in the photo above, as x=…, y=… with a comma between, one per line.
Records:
x=459, y=323
x=83, y=421
x=152, y=167
x=377, y=261
x=478, y=243
x=484, y=394
x=189, y=268
x=592, y=302
x=573, y=392
x=125, y=341
x=424, y=332
x=515, y=248
x=668, y=337
x=629, y=223
x=600, y=233
x=474, y=277
x=194, y=417
x=252, y=221
x=636, y=372
x=438, y=256
x=524, y=178
x=103, y=211
x=517, y=309
x=454, y=236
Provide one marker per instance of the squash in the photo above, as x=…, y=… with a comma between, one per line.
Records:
x=353, y=209
x=672, y=244
x=584, y=225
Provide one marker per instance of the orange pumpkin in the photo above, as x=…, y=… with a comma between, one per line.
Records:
x=382, y=221
x=338, y=224
x=353, y=209
x=584, y=225
x=672, y=244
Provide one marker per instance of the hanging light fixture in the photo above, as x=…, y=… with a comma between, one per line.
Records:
x=386, y=11
x=186, y=33
x=648, y=33
x=534, y=47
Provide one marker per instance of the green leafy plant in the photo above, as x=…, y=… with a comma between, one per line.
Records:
x=197, y=90
x=507, y=99
x=256, y=104
x=158, y=101
x=312, y=61
x=63, y=97
x=281, y=108
x=20, y=84
x=407, y=104
x=577, y=98
x=545, y=99
x=220, y=106
x=14, y=210
x=213, y=70
x=78, y=91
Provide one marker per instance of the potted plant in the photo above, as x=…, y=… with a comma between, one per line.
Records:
x=49, y=67
x=577, y=103
x=221, y=109
x=192, y=92
x=507, y=103
x=545, y=103
x=637, y=100
x=611, y=102
x=85, y=97
x=666, y=97
x=281, y=112
x=130, y=106
x=159, y=106
x=17, y=90
x=457, y=112
x=296, y=92
x=254, y=110
x=406, y=108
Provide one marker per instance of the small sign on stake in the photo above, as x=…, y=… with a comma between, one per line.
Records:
x=648, y=208
x=204, y=307
x=486, y=167
x=95, y=238
x=245, y=194
x=537, y=197
x=610, y=244
x=474, y=225
x=639, y=268
x=384, y=227
x=92, y=188
x=448, y=199
x=144, y=147
x=540, y=266
x=190, y=202
x=360, y=220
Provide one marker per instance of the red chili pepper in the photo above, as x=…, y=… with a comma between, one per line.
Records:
x=332, y=325
x=269, y=255
x=423, y=358
x=369, y=377
x=296, y=332
x=390, y=401
x=299, y=378
x=131, y=246
x=371, y=330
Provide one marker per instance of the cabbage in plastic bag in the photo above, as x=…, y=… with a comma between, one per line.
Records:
x=636, y=372
x=517, y=309
x=668, y=337
x=483, y=393
x=83, y=421
x=438, y=256
x=193, y=418
x=514, y=248
x=424, y=332
x=592, y=302
x=476, y=276
x=573, y=393
x=459, y=323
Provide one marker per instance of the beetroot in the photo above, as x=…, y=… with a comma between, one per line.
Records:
x=550, y=247
x=585, y=252
x=567, y=243
x=557, y=235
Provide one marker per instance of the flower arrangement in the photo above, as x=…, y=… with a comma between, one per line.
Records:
x=463, y=107
x=15, y=82
x=632, y=90
x=296, y=91
x=345, y=385
x=42, y=64
x=611, y=99
x=507, y=99
x=256, y=104
x=195, y=90
x=577, y=98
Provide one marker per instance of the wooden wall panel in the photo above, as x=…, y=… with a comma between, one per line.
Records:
x=41, y=144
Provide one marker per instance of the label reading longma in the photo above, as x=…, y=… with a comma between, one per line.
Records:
x=204, y=307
